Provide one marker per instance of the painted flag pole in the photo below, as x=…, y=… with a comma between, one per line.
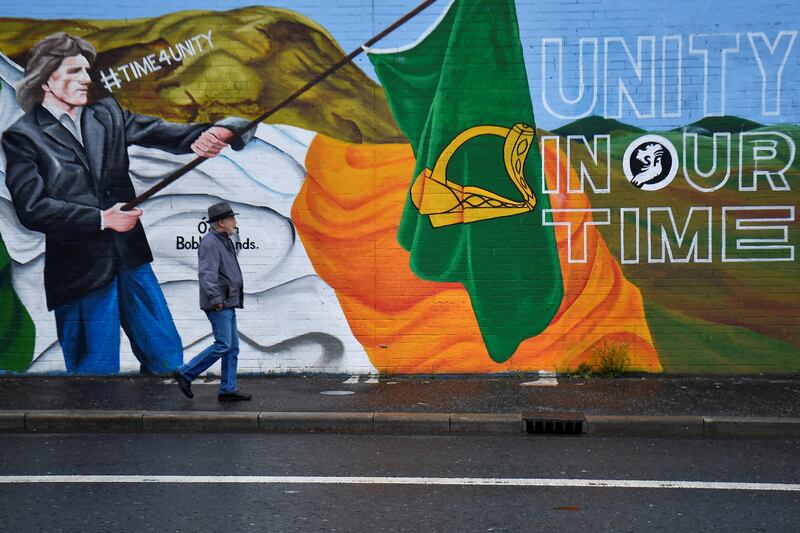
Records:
x=174, y=176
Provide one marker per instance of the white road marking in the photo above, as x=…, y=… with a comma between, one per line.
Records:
x=351, y=379
x=492, y=482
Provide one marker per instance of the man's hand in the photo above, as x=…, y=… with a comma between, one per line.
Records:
x=212, y=141
x=218, y=307
x=121, y=221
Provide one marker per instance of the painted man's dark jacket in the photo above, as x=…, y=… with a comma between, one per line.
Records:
x=59, y=188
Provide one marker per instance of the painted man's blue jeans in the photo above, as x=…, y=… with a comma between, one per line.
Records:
x=225, y=347
x=88, y=328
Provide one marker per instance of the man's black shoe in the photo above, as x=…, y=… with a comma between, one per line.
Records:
x=184, y=384
x=233, y=397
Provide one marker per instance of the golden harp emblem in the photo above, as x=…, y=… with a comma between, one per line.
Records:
x=447, y=202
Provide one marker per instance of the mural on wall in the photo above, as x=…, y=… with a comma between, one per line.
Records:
x=424, y=221
x=295, y=321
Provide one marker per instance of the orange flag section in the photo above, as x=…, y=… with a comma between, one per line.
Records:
x=347, y=214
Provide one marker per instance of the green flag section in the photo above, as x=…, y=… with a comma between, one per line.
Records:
x=17, y=332
x=461, y=97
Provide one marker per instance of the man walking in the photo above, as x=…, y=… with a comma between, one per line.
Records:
x=221, y=292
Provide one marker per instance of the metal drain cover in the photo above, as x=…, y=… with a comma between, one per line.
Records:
x=554, y=423
x=337, y=392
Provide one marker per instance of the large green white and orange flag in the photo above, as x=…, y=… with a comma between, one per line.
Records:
x=473, y=212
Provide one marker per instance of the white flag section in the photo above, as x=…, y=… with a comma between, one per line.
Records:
x=292, y=320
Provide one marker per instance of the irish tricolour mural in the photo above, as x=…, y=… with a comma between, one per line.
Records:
x=496, y=187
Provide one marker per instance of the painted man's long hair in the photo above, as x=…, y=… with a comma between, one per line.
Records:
x=45, y=57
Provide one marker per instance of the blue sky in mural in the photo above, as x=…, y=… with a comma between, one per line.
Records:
x=684, y=37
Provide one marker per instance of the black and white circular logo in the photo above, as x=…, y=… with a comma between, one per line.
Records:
x=650, y=162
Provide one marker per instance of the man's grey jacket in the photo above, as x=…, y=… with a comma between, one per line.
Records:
x=59, y=188
x=219, y=272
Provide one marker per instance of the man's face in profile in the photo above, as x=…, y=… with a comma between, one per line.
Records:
x=70, y=82
x=228, y=225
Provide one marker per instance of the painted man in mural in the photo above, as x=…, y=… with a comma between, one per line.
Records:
x=67, y=172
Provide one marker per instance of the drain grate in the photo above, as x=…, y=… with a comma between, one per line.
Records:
x=554, y=424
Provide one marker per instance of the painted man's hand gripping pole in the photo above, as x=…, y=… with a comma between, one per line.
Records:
x=210, y=143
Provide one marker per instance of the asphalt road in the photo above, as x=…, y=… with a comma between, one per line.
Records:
x=334, y=487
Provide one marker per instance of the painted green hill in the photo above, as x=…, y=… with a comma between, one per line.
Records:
x=718, y=317
x=595, y=125
x=724, y=124
x=260, y=55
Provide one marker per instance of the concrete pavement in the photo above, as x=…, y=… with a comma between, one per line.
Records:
x=706, y=407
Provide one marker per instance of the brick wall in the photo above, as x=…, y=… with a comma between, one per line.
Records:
x=668, y=139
